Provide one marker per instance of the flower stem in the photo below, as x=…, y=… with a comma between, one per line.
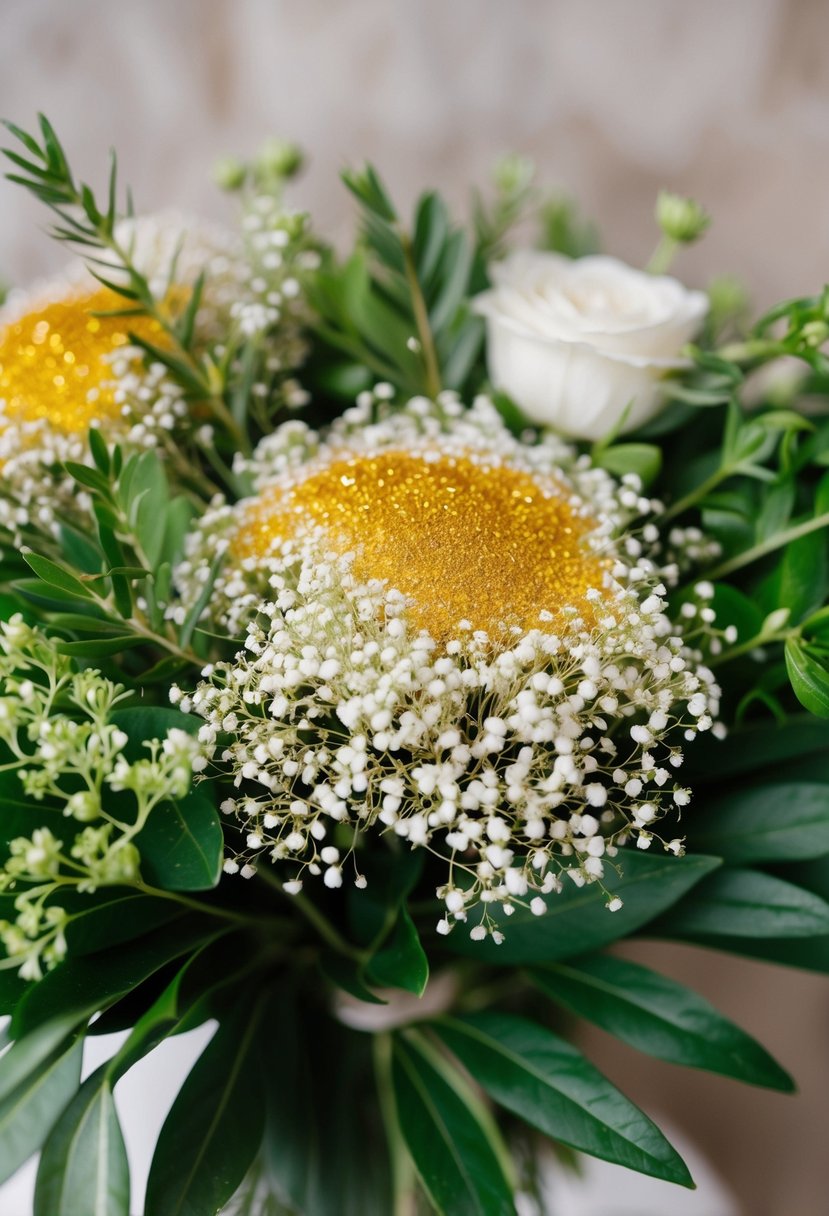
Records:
x=768, y=546
x=424, y=329
x=313, y=915
x=402, y=1175
x=663, y=256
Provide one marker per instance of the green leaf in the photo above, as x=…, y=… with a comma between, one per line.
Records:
x=803, y=575
x=97, y=648
x=29, y=1111
x=544, y=1080
x=325, y=1152
x=114, y=916
x=56, y=576
x=27, y=1055
x=452, y=1145
x=347, y=974
x=214, y=1128
x=644, y=459
x=658, y=1016
x=182, y=845
x=402, y=962
x=746, y=903
x=84, y=1168
x=756, y=746
x=810, y=679
x=92, y=982
x=775, y=822
x=577, y=920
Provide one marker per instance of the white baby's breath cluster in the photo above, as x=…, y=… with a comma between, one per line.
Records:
x=524, y=761
x=60, y=744
x=280, y=256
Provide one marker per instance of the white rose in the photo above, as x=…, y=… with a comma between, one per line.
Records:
x=575, y=342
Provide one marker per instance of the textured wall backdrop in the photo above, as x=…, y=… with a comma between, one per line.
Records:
x=728, y=101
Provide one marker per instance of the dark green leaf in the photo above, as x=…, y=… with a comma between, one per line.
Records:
x=746, y=903
x=402, y=962
x=550, y=1084
x=454, y=1147
x=773, y=822
x=577, y=920
x=214, y=1128
x=348, y=975
x=658, y=1016
x=325, y=1152
x=758, y=745
x=84, y=1168
x=92, y=982
x=182, y=845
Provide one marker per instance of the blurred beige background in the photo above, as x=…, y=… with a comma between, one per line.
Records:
x=725, y=99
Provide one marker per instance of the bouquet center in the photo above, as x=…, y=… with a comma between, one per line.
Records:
x=464, y=541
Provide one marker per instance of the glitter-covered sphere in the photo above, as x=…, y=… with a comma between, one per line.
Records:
x=461, y=538
x=56, y=361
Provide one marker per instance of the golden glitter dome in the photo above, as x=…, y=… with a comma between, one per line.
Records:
x=489, y=544
x=55, y=360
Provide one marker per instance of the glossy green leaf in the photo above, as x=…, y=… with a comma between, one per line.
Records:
x=452, y=1145
x=29, y=1111
x=214, y=1128
x=776, y=822
x=113, y=916
x=182, y=845
x=658, y=1016
x=810, y=679
x=577, y=920
x=751, y=748
x=83, y=1168
x=402, y=962
x=324, y=1151
x=92, y=982
x=544, y=1080
x=747, y=903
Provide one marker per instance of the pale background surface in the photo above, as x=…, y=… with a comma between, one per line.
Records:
x=728, y=101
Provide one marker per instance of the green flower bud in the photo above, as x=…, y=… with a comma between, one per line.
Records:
x=84, y=806
x=681, y=219
x=815, y=333
x=279, y=158
x=512, y=173
x=229, y=173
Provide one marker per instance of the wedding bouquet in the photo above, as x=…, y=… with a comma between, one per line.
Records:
x=383, y=637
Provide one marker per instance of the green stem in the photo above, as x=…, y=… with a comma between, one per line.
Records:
x=402, y=1174
x=312, y=914
x=768, y=546
x=752, y=644
x=195, y=905
x=663, y=255
x=424, y=329
x=694, y=496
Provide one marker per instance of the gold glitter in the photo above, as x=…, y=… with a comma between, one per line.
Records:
x=54, y=365
x=493, y=545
